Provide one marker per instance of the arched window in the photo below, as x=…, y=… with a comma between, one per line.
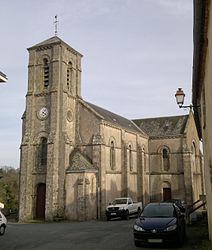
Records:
x=45, y=72
x=112, y=155
x=43, y=151
x=130, y=158
x=69, y=75
x=93, y=186
x=193, y=156
x=165, y=158
x=70, y=158
x=193, y=150
x=143, y=160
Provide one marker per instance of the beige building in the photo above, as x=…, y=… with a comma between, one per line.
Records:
x=175, y=160
x=76, y=157
x=202, y=90
x=3, y=79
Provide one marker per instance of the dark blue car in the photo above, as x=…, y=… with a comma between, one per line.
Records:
x=160, y=223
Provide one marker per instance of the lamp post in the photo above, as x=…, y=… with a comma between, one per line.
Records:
x=180, y=96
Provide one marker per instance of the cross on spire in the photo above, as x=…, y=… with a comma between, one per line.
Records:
x=55, y=25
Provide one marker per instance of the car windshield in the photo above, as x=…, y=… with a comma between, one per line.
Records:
x=119, y=201
x=158, y=211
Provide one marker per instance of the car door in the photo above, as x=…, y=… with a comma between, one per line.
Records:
x=2, y=219
x=131, y=206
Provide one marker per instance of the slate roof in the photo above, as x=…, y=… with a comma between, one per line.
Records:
x=51, y=41
x=163, y=126
x=115, y=119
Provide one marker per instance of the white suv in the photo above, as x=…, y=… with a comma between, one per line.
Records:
x=3, y=223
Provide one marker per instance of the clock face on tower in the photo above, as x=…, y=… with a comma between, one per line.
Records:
x=43, y=113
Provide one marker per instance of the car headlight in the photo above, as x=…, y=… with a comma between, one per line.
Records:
x=137, y=228
x=121, y=208
x=171, y=228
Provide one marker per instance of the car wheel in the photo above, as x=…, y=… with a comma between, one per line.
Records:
x=180, y=239
x=2, y=230
x=126, y=215
x=137, y=243
x=185, y=236
x=108, y=218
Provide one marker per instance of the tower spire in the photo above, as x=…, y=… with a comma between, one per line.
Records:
x=55, y=25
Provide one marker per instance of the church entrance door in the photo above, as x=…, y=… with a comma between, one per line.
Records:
x=167, y=195
x=40, y=201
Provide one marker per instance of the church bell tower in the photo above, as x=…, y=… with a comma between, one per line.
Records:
x=49, y=127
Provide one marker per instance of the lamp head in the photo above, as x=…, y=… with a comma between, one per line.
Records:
x=180, y=97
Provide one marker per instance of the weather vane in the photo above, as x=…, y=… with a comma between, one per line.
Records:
x=55, y=25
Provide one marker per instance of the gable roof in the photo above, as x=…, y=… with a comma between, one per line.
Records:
x=163, y=126
x=115, y=119
x=79, y=163
x=53, y=41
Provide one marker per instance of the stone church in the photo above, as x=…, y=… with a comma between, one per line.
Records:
x=76, y=157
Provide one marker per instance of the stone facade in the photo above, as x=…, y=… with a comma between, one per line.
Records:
x=76, y=157
x=175, y=158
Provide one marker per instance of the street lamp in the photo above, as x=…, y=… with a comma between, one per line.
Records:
x=180, y=99
x=3, y=77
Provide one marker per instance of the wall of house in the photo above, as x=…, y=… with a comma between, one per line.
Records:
x=192, y=141
x=130, y=140
x=174, y=176
x=80, y=196
x=143, y=169
x=88, y=126
x=125, y=178
x=112, y=176
x=206, y=122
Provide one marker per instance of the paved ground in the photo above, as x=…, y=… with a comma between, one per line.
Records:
x=95, y=235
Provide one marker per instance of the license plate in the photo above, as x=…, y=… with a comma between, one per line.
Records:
x=155, y=240
x=113, y=213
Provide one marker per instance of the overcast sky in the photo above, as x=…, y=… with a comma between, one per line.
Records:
x=136, y=53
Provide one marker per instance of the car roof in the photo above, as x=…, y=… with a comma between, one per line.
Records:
x=161, y=204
